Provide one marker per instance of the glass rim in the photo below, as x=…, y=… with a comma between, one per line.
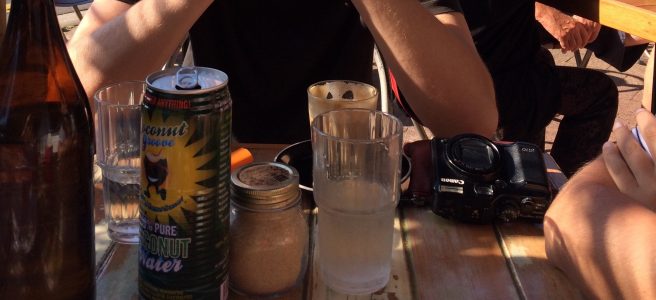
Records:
x=105, y=102
x=391, y=135
x=371, y=87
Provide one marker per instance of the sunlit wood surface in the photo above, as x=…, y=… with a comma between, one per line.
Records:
x=433, y=258
x=637, y=17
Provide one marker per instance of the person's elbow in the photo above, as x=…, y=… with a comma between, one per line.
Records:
x=485, y=108
x=88, y=73
x=471, y=109
x=476, y=108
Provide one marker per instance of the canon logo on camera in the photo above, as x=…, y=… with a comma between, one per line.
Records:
x=451, y=180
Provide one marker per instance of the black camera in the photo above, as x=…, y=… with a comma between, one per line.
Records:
x=477, y=180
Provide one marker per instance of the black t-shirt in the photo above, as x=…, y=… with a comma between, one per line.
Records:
x=272, y=51
x=505, y=32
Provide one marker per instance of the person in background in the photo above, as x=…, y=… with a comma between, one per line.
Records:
x=530, y=90
x=572, y=32
x=273, y=50
x=601, y=226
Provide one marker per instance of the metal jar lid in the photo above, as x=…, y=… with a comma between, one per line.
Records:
x=265, y=184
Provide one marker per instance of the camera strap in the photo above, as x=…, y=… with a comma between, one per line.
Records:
x=420, y=190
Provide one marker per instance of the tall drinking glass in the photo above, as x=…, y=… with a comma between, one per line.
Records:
x=356, y=171
x=338, y=94
x=118, y=141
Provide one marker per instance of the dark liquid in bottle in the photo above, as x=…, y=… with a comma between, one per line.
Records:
x=46, y=235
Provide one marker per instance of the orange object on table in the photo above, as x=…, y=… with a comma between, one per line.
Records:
x=240, y=157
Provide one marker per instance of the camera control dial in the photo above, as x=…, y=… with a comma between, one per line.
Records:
x=500, y=184
x=507, y=211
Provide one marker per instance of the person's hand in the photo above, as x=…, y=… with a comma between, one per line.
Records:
x=633, y=170
x=591, y=27
x=572, y=35
x=571, y=32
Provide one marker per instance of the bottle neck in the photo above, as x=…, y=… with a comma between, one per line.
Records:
x=34, y=54
x=32, y=21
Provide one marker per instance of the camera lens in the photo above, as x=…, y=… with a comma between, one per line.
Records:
x=473, y=154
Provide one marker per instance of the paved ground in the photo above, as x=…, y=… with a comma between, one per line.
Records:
x=629, y=83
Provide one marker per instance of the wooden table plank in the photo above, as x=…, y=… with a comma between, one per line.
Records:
x=118, y=279
x=433, y=258
x=454, y=260
x=535, y=277
x=508, y=262
x=523, y=245
x=637, y=17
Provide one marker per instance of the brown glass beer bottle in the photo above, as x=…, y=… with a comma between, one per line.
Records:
x=46, y=157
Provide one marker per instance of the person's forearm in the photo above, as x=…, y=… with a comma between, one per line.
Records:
x=441, y=75
x=113, y=44
x=557, y=25
x=572, y=32
x=602, y=239
x=550, y=18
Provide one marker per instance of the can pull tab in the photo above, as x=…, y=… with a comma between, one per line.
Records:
x=187, y=79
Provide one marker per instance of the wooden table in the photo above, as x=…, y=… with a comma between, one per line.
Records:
x=637, y=17
x=433, y=258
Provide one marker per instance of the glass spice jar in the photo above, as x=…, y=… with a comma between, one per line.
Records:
x=269, y=235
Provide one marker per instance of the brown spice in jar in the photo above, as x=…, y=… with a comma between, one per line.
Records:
x=268, y=240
